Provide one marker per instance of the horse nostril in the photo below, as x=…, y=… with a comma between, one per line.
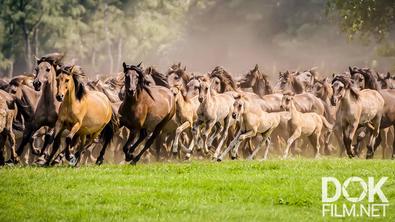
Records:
x=234, y=115
x=59, y=98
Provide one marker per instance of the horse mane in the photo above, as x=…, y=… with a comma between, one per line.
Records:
x=179, y=72
x=142, y=84
x=77, y=73
x=264, y=77
x=227, y=82
x=347, y=84
x=159, y=78
x=370, y=80
x=52, y=58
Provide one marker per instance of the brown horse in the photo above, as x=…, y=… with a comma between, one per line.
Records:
x=78, y=117
x=46, y=110
x=356, y=108
x=257, y=81
x=145, y=109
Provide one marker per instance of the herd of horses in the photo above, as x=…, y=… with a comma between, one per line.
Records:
x=57, y=115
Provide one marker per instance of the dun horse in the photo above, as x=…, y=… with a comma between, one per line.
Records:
x=79, y=118
x=356, y=108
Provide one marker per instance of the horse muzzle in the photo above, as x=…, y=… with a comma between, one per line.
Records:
x=59, y=98
x=37, y=85
x=333, y=101
x=234, y=115
x=200, y=99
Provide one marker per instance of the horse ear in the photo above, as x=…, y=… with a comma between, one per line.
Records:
x=139, y=65
x=149, y=70
x=37, y=59
x=388, y=75
x=185, y=68
x=351, y=70
x=256, y=67
x=179, y=65
x=124, y=65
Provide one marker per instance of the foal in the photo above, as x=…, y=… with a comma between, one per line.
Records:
x=303, y=124
x=254, y=120
x=214, y=108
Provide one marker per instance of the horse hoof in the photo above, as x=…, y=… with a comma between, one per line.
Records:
x=219, y=159
x=133, y=162
x=233, y=157
x=73, y=160
x=35, y=151
x=99, y=162
x=128, y=157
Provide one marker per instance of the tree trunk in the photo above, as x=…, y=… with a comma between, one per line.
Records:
x=109, y=51
x=36, y=43
x=119, y=54
x=28, y=52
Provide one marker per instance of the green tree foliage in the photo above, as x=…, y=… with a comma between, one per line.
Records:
x=97, y=34
x=367, y=20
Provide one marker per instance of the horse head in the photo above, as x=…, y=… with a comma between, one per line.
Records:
x=46, y=69
x=69, y=81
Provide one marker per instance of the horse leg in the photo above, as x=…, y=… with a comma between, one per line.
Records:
x=372, y=140
x=393, y=144
x=383, y=137
x=27, y=134
x=151, y=139
x=361, y=135
x=247, y=135
x=224, y=136
x=230, y=146
x=295, y=135
x=348, y=135
x=11, y=140
x=177, y=136
x=250, y=150
x=315, y=142
x=209, y=127
x=47, y=141
x=129, y=142
x=142, y=135
x=2, y=145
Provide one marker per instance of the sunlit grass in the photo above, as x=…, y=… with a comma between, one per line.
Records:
x=198, y=191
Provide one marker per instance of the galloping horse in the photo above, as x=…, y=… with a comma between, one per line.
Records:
x=46, y=110
x=145, y=109
x=84, y=113
x=356, y=108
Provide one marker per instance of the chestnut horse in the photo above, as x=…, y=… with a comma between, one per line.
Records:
x=145, y=109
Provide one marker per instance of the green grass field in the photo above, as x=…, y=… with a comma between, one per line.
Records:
x=274, y=190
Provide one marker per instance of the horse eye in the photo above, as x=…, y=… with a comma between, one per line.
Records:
x=239, y=105
x=47, y=70
x=67, y=80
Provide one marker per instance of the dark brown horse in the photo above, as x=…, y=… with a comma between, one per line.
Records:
x=144, y=110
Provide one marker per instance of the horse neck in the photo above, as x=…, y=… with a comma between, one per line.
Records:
x=297, y=87
x=348, y=100
x=50, y=88
x=70, y=98
x=207, y=102
x=294, y=112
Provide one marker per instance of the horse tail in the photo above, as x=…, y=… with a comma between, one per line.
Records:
x=109, y=130
x=326, y=123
